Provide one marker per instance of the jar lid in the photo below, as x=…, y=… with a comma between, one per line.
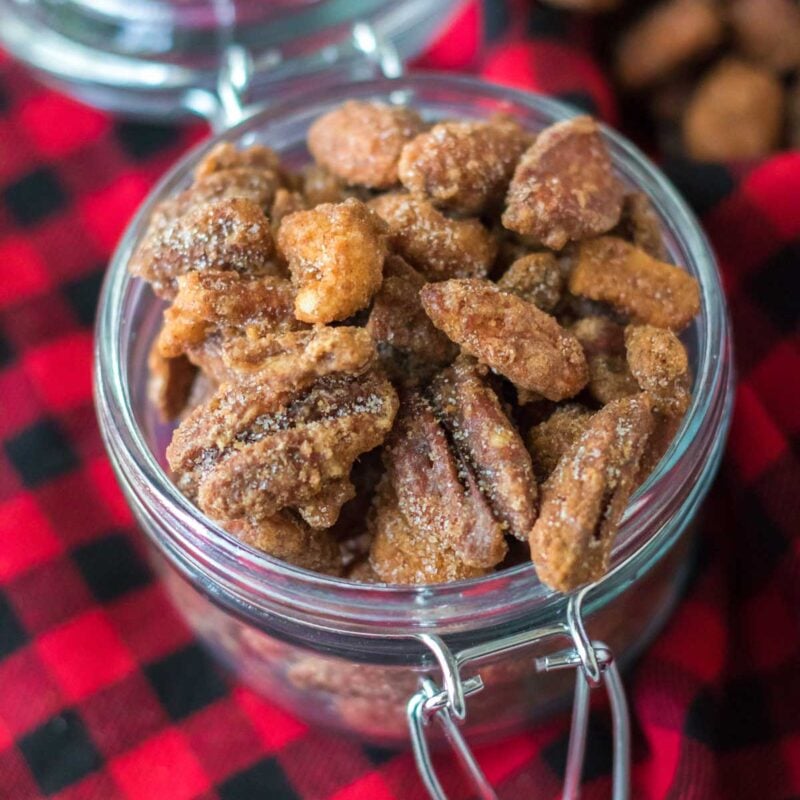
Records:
x=153, y=57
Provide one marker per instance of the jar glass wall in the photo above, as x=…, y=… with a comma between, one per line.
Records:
x=345, y=655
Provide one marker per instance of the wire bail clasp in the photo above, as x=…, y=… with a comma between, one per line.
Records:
x=595, y=665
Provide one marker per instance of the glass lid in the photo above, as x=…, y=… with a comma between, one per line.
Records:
x=159, y=57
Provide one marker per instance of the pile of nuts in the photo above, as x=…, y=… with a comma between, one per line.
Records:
x=724, y=74
x=436, y=351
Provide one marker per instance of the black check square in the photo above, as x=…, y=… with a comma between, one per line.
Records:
x=12, y=634
x=265, y=779
x=82, y=295
x=599, y=752
x=111, y=566
x=770, y=283
x=186, y=681
x=40, y=453
x=34, y=197
x=497, y=17
x=702, y=718
x=142, y=140
x=6, y=352
x=379, y=755
x=546, y=22
x=703, y=184
x=583, y=101
x=744, y=717
x=60, y=752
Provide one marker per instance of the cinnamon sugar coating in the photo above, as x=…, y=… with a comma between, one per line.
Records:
x=410, y=347
x=550, y=439
x=464, y=166
x=230, y=234
x=509, y=335
x=659, y=362
x=335, y=254
x=226, y=156
x=361, y=142
x=614, y=271
x=583, y=500
x=564, y=188
x=439, y=247
x=537, y=278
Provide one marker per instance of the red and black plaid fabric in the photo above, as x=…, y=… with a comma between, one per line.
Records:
x=104, y=694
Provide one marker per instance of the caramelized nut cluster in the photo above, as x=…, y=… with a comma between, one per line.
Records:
x=434, y=342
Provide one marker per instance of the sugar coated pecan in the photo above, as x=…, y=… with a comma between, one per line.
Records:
x=258, y=185
x=411, y=348
x=255, y=448
x=736, y=112
x=170, y=382
x=288, y=538
x=564, y=188
x=640, y=225
x=231, y=234
x=439, y=247
x=285, y=203
x=226, y=156
x=583, y=500
x=668, y=36
x=320, y=185
x=659, y=362
x=465, y=166
x=553, y=437
x=614, y=271
x=509, y=335
x=335, y=254
x=361, y=142
x=537, y=278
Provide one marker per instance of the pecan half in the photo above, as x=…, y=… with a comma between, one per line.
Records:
x=439, y=247
x=553, y=437
x=564, y=188
x=226, y=156
x=583, y=500
x=231, y=234
x=335, y=254
x=465, y=166
x=257, y=448
x=410, y=347
x=537, y=278
x=659, y=362
x=169, y=383
x=361, y=142
x=509, y=335
x=639, y=224
x=614, y=271
x=285, y=537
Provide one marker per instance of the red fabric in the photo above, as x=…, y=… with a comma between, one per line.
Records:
x=95, y=701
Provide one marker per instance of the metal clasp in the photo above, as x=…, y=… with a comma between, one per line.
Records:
x=594, y=665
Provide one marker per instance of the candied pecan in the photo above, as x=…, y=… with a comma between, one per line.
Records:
x=335, y=254
x=668, y=36
x=487, y=443
x=664, y=431
x=404, y=553
x=564, y=188
x=767, y=31
x=285, y=537
x=284, y=204
x=257, y=448
x=614, y=271
x=170, y=382
x=603, y=341
x=323, y=510
x=226, y=156
x=465, y=166
x=363, y=572
x=437, y=246
x=658, y=360
x=736, y=112
x=583, y=500
x=322, y=186
x=511, y=336
x=231, y=234
x=639, y=224
x=260, y=186
x=410, y=347
x=211, y=309
x=537, y=278
x=553, y=437
x=361, y=142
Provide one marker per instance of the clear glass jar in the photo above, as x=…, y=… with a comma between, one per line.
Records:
x=348, y=656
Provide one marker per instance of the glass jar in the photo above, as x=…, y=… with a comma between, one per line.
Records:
x=349, y=656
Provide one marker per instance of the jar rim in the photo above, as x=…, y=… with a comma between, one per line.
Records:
x=260, y=578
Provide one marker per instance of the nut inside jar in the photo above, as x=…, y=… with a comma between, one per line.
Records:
x=463, y=352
